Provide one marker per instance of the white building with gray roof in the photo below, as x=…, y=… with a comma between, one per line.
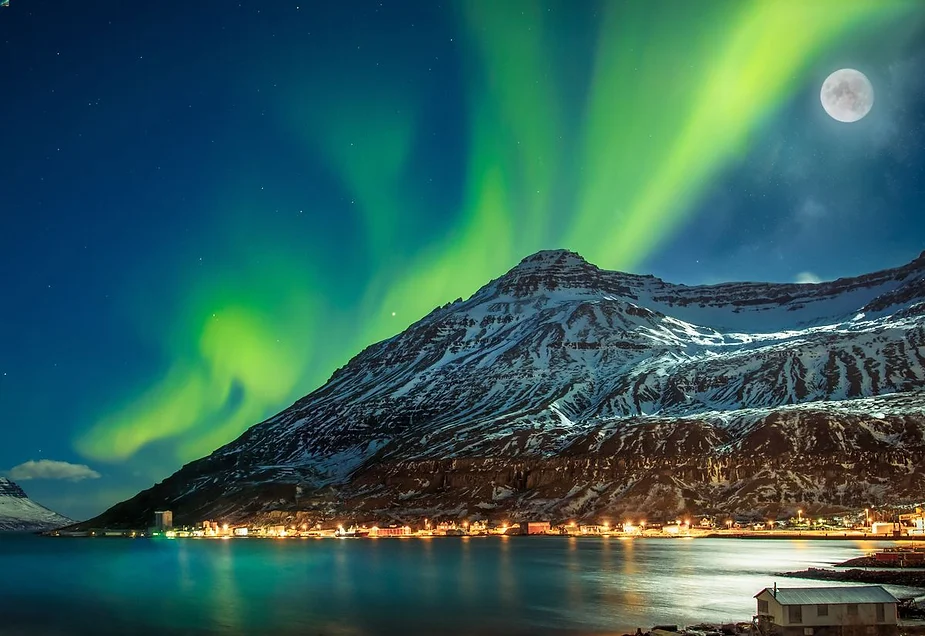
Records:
x=867, y=610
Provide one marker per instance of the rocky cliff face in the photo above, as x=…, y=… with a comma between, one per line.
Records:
x=562, y=390
x=18, y=513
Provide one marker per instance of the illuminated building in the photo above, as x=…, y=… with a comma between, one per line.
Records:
x=590, y=529
x=884, y=527
x=163, y=520
x=913, y=523
x=393, y=531
x=534, y=527
x=477, y=527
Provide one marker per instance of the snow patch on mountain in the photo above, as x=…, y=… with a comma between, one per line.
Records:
x=18, y=513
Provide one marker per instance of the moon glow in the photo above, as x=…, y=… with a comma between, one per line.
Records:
x=847, y=95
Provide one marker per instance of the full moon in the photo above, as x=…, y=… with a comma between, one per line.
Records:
x=847, y=95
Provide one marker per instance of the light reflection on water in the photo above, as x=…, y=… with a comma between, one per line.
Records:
x=511, y=585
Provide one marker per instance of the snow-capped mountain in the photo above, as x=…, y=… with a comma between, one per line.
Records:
x=562, y=390
x=18, y=513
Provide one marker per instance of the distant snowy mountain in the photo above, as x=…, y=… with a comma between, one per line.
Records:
x=562, y=390
x=18, y=513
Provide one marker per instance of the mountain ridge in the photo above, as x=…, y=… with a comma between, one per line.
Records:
x=557, y=352
x=18, y=513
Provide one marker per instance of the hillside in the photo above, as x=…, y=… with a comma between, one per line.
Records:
x=562, y=390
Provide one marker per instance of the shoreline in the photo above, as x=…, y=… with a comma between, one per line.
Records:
x=758, y=535
x=829, y=536
x=895, y=576
x=740, y=628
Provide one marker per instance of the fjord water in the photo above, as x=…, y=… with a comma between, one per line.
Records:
x=484, y=585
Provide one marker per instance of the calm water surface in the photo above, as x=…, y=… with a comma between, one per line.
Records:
x=490, y=585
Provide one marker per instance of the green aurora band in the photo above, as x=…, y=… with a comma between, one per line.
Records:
x=664, y=110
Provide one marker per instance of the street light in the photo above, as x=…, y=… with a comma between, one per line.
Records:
x=800, y=516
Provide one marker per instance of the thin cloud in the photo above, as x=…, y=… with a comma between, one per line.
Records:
x=51, y=469
x=808, y=277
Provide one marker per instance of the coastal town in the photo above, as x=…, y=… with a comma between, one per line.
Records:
x=866, y=524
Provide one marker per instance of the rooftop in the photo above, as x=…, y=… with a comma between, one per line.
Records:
x=831, y=595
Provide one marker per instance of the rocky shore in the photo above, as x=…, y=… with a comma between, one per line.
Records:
x=736, y=629
x=896, y=576
x=701, y=629
x=873, y=562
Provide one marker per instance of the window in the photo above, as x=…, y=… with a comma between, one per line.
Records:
x=881, y=613
x=822, y=610
x=795, y=613
x=852, y=609
x=763, y=607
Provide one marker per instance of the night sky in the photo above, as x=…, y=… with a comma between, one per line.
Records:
x=206, y=207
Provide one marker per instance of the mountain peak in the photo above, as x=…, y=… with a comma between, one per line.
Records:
x=19, y=513
x=10, y=489
x=560, y=270
x=553, y=258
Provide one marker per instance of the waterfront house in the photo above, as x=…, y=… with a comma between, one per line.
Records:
x=391, y=531
x=826, y=611
x=902, y=557
x=534, y=527
x=591, y=528
x=476, y=527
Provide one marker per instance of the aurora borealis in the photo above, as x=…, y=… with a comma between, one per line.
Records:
x=207, y=209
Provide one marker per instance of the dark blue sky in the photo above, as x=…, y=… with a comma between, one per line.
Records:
x=206, y=207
